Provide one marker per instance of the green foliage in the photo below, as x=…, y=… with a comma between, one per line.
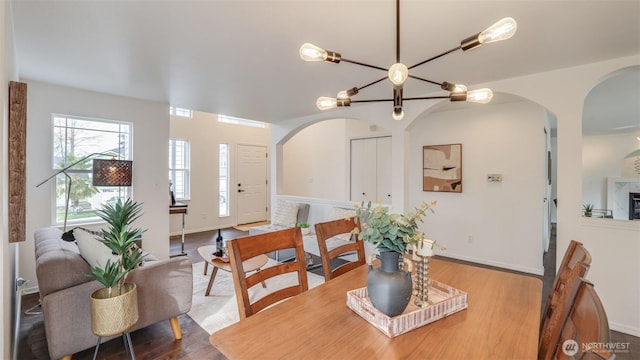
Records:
x=587, y=208
x=390, y=232
x=303, y=225
x=120, y=238
x=81, y=185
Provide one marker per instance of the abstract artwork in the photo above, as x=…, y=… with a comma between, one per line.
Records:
x=442, y=168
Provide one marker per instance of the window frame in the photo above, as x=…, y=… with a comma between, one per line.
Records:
x=122, y=191
x=186, y=159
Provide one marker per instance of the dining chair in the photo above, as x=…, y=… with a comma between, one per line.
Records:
x=576, y=253
x=574, y=266
x=587, y=325
x=335, y=239
x=244, y=248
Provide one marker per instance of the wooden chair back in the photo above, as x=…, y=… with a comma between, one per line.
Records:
x=586, y=325
x=245, y=248
x=327, y=230
x=574, y=266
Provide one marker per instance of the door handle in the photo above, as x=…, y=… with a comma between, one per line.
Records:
x=240, y=190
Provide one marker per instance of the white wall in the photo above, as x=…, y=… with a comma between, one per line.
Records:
x=150, y=150
x=614, y=245
x=504, y=218
x=205, y=134
x=602, y=157
x=8, y=252
x=316, y=160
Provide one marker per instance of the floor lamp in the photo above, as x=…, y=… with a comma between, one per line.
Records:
x=105, y=173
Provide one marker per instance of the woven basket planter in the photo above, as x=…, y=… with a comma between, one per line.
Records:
x=114, y=315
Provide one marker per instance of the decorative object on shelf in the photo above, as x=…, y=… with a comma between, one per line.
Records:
x=105, y=173
x=442, y=168
x=398, y=73
x=304, y=228
x=114, y=308
x=588, y=209
x=390, y=288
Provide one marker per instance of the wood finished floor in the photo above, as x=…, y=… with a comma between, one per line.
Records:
x=156, y=341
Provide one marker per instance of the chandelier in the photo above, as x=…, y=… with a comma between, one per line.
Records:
x=398, y=73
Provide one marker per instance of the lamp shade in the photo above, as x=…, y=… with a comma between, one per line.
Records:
x=112, y=172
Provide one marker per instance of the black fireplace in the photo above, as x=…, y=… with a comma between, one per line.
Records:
x=634, y=206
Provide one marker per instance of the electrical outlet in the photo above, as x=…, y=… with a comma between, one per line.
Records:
x=470, y=238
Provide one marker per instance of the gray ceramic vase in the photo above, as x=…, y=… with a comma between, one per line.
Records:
x=389, y=288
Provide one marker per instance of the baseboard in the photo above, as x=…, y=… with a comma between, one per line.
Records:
x=528, y=270
x=634, y=331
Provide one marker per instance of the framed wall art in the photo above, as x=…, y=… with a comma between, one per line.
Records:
x=442, y=168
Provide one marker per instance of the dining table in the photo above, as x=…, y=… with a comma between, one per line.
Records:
x=501, y=322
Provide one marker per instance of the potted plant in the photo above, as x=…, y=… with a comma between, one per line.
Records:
x=588, y=208
x=304, y=228
x=388, y=287
x=114, y=308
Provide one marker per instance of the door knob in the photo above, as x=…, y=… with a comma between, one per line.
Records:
x=240, y=190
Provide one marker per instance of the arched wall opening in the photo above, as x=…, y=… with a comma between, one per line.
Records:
x=316, y=157
x=610, y=143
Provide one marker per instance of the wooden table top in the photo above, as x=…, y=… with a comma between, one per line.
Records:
x=207, y=251
x=501, y=322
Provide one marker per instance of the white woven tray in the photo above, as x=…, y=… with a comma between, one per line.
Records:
x=443, y=300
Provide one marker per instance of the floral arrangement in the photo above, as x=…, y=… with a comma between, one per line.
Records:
x=388, y=231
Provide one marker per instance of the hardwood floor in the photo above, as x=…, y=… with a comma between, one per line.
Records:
x=156, y=341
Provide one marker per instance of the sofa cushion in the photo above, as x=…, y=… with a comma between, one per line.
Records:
x=286, y=213
x=92, y=249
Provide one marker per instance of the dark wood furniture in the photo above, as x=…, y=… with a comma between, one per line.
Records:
x=586, y=325
x=500, y=323
x=180, y=208
x=243, y=249
x=327, y=230
x=574, y=266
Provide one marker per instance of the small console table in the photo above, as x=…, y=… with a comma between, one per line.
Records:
x=179, y=208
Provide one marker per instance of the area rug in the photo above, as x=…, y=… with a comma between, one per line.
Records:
x=219, y=309
x=246, y=227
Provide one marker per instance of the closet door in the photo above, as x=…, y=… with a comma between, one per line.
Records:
x=363, y=170
x=383, y=169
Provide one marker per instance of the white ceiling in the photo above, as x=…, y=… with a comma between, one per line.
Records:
x=240, y=57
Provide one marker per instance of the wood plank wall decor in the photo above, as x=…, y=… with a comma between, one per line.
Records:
x=17, y=147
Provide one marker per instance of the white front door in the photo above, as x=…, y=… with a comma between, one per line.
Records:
x=252, y=184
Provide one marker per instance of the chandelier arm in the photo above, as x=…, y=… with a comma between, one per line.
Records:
x=425, y=80
x=435, y=57
x=368, y=101
x=363, y=64
x=372, y=83
x=397, y=31
x=427, y=97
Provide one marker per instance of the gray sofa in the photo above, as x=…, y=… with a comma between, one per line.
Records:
x=165, y=288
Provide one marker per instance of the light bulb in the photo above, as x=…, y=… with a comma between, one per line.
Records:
x=310, y=52
x=347, y=94
x=501, y=30
x=454, y=88
x=398, y=73
x=480, y=96
x=326, y=103
x=397, y=115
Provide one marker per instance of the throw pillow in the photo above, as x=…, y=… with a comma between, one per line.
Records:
x=342, y=213
x=286, y=213
x=92, y=250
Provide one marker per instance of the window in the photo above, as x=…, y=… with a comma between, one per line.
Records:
x=176, y=111
x=239, y=121
x=179, y=164
x=223, y=181
x=73, y=139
